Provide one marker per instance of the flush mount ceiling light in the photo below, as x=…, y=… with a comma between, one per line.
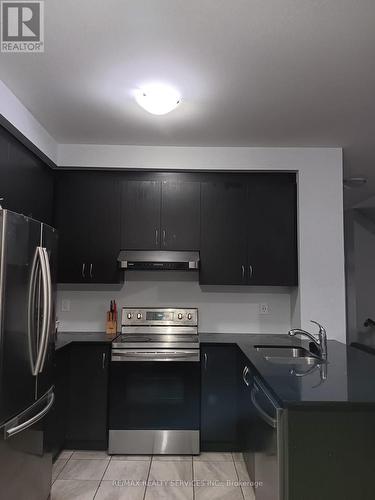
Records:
x=157, y=99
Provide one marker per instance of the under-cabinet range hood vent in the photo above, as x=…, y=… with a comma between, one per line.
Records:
x=158, y=260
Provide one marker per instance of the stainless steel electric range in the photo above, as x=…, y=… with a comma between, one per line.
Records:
x=154, y=405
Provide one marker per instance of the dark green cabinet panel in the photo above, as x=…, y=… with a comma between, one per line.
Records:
x=330, y=454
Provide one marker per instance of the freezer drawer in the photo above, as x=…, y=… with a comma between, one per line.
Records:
x=25, y=464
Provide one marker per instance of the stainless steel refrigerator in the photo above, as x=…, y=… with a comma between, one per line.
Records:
x=27, y=327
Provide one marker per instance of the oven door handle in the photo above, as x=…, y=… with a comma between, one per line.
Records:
x=165, y=355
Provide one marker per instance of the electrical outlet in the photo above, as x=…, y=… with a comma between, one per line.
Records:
x=65, y=305
x=264, y=308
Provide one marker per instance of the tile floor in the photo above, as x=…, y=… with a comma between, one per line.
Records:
x=89, y=475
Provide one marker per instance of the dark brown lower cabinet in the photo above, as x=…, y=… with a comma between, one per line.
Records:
x=56, y=420
x=86, y=426
x=219, y=410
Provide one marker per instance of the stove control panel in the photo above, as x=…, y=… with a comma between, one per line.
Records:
x=157, y=316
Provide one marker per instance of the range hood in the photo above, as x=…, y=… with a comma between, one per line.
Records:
x=158, y=260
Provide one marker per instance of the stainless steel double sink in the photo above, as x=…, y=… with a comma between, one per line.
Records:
x=288, y=355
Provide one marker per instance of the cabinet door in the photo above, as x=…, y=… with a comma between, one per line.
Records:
x=56, y=419
x=223, y=233
x=73, y=205
x=26, y=183
x=272, y=230
x=104, y=228
x=140, y=215
x=88, y=220
x=180, y=215
x=88, y=389
x=219, y=398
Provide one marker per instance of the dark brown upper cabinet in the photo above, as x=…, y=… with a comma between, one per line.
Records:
x=180, y=215
x=272, y=230
x=26, y=183
x=244, y=225
x=87, y=216
x=223, y=233
x=140, y=215
x=249, y=231
x=160, y=215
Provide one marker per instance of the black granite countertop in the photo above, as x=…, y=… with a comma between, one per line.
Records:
x=347, y=377
x=66, y=338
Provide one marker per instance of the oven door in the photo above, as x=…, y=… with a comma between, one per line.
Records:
x=154, y=405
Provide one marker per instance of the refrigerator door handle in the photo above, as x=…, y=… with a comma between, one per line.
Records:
x=9, y=432
x=48, y=311
x=30, y=312
x=45, y=320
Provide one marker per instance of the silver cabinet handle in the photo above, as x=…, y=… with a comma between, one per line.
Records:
x=103, y=360
x=244, y=373
x=250, y=271
x=243, y=272
x=91, y=271
x=205, y=357
x=83, y=270
x=156, y=237
x=164, y=236
x=25, y=425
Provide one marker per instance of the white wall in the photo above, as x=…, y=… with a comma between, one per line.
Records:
x=15, y=112
x=199, y=158
x=220, y=310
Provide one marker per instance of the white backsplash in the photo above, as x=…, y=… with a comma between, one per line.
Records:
x=221, y=309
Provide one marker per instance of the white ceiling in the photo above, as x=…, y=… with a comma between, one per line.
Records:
x=251, y=72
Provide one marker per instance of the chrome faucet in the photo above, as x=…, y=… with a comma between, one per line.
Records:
x=320, y=342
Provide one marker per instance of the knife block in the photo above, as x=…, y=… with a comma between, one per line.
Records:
x=111, y=328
